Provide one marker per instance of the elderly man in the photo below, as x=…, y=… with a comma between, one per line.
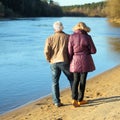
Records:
x=56, y=53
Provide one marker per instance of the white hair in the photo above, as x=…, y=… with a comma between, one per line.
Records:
x=58, y=26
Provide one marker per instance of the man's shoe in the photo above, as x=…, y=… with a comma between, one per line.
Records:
x=82, y=102
x=58, y=104
x=75, y=103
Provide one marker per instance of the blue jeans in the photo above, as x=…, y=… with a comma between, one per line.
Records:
x=56, y=69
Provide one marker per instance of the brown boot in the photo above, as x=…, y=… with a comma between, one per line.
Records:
x=82, y=102
x=75, y=103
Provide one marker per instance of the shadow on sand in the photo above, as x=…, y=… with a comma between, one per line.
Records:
x=102, y=101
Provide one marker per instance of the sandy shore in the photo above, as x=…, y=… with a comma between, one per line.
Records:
x=102, y=91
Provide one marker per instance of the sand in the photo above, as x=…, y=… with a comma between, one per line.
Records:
x=102, y=92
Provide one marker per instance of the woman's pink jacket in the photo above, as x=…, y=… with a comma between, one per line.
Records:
x=80, y=48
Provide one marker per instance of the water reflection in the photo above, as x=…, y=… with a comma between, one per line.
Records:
x=115, y=24
x=114, y=48
x=114, y=44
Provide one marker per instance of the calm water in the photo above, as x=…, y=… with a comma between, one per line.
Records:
x=24, y=73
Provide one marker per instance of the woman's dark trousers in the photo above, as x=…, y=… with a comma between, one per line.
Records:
x=78, y=87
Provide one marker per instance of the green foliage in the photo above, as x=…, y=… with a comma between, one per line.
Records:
x=113, y=11
x=93, y=9
x=113, y=8
x=1, y=9
x=49, y=8
x=31, y=8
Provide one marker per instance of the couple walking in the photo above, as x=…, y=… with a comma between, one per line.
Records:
x=70, y=54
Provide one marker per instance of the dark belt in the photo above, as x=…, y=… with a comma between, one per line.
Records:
x=81, y=53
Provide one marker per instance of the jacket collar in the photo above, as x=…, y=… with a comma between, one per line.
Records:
x=59, y=32
x=80, y=32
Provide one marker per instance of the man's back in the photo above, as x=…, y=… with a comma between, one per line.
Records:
x=56, y=48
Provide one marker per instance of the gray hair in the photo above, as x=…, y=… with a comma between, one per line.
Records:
x=58, y=26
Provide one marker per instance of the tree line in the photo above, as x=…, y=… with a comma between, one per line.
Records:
x=91, y=10
x=113, y=11
x=49, y=8
x=29, y=8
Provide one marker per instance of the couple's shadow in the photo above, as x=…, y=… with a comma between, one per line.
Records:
x=94, y=102
x=103, y=100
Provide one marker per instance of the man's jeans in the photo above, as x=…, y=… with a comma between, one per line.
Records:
x=56, y=69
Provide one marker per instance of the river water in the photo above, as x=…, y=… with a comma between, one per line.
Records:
x=24, y=73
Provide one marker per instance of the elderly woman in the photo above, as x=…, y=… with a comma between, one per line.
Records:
x=80, y=48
